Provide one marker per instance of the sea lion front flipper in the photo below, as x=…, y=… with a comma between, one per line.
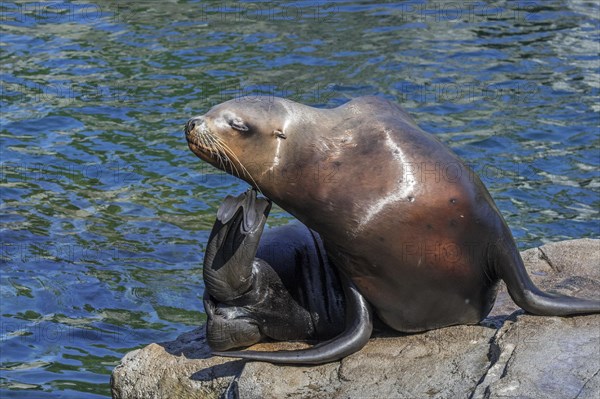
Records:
x=359, y=325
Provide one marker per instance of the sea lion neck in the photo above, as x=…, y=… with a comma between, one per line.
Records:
x=303, y=167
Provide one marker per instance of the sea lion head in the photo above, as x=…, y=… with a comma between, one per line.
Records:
x=241, y=136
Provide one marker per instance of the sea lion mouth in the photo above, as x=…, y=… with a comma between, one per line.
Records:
x=210, y=154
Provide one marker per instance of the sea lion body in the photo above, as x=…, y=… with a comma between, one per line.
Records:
x=399, y=213
x=405, y=218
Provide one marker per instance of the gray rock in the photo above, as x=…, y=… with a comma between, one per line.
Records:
x=509, y=355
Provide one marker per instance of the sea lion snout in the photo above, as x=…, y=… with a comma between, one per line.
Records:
x=191, y=124
x=195, y=132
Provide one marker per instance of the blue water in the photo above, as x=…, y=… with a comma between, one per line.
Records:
x=105, y=211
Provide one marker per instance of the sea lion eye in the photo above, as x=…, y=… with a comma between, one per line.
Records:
x=238, y=124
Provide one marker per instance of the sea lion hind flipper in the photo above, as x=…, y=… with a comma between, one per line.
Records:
x=359, y=325
x=224, y=333
x=522, y=290
x=232, y=245
x=253, y=209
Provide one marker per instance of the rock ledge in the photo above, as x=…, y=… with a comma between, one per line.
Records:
x=509, y=355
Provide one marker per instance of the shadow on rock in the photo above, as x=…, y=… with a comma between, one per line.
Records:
x=230, y=369
x=191, y=344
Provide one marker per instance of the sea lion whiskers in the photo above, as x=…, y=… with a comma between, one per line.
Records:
x=206, y=143
x=221, y=153
x=222, y=158
x=219, y=150
x=228, y=152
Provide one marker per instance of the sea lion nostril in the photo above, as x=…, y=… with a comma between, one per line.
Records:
x=191, y=124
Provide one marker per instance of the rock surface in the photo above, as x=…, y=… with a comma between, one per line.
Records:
x=509, y=355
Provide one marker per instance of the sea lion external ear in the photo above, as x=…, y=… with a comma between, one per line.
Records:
x=280, y=134
x=238, y=124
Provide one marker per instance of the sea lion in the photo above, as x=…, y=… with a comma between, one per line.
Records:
x=278, y=285
x=409, y=223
